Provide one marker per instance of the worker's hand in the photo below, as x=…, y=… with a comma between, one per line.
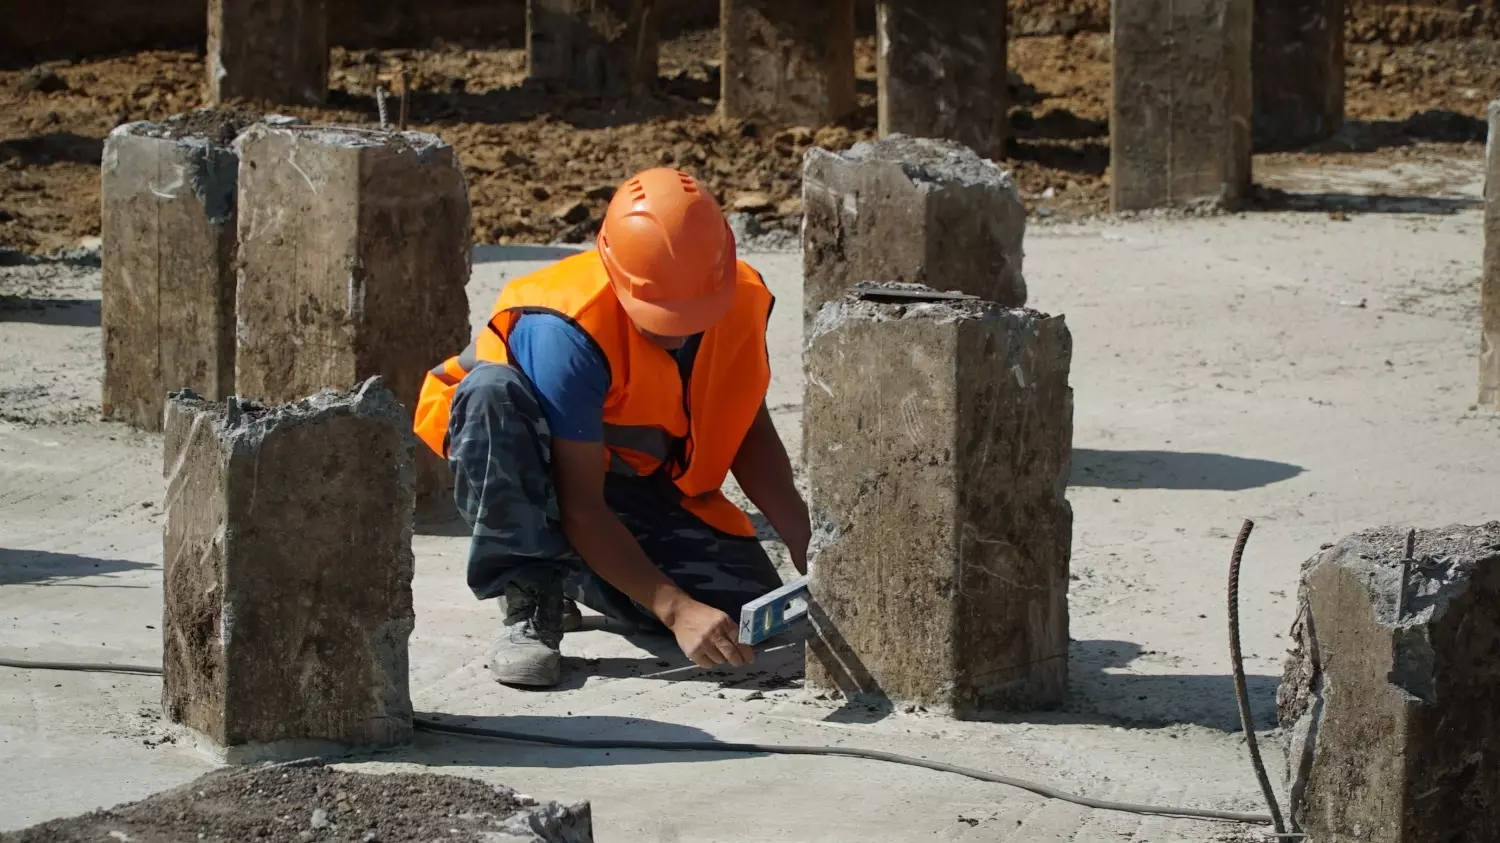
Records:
x=708, y=637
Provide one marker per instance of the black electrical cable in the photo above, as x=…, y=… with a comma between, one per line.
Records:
x=756, y=748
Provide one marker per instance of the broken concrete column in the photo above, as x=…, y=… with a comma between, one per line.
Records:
x=308, y=799
x=273, y=50
x=787, y=62
x=593, y=46
x=1489, y=292
x=287, y=573
x=354, y=253
x=1180, y=124
x=910, y=210
x=168, y=231
x=942, y=71
x=937, y=443
x=1298, y=70
x=1390, y=695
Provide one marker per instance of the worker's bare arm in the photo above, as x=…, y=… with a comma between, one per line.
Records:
x=706, y=635
x=765, y=473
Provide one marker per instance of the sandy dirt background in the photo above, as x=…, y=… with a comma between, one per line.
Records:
x=530, y=157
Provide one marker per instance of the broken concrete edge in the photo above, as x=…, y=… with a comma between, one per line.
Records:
x=421, y=144
x=244, y=424
x=927, y=162
x=852, y=306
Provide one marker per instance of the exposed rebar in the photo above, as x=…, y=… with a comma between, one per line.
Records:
x=1238, y=663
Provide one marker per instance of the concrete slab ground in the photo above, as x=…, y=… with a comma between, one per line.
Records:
x=1312, y=373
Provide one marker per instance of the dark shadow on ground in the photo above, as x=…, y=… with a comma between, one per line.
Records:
x=1435, y=125
x=1056, y=124
x=1098, y=688
x=532, y=99
x=504, y=252
x=439, y=749
x=1273, y=199
x=43, y=567
x=440, y=518
x=74, y=313
x=1089, y=156
x=1175, y=470
x=778, y=663
x=67, y=147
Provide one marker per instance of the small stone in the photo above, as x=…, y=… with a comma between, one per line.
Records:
x=370, y=837
x=320, y=819
x=755, y=695
x=752, y=203
x=572, y=213
x=540, y=193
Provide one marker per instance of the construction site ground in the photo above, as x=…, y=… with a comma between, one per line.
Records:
x=1312, y=370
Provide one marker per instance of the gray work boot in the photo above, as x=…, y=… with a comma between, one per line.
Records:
x=527, y=652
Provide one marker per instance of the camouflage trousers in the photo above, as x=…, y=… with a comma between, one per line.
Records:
x=500, y=450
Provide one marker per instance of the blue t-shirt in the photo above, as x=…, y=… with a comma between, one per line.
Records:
x=568, y=371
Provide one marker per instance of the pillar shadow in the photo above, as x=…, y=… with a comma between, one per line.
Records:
x=1100, y=692
x=527, y=101
x=1056, y=124
x=1435, y=125
x=864, y=700
x=43, y=567
x=437, y=749
x=1275, y=199
x=73, y=313
x=67, y=147
x=1075, y=156
x=1175, y=470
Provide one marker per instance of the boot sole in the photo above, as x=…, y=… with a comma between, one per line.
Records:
x=526, y=676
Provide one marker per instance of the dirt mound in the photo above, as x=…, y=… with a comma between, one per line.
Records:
x=540, y=164
x=298, y=804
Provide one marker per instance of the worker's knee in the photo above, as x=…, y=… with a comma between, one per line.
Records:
x=493, y=389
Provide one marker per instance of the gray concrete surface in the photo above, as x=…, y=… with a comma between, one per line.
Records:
x=1314, y=374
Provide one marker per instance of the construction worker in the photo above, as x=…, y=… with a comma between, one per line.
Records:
x=591, y=423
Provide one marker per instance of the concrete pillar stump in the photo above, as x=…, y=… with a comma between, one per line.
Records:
x=354, y=253
x=942, y=71
x=1298, y=69
x=168, y=231
x=287, y=573
x=1489, y=291
x=937, y=443
x=787, y=62
x=910, y=210
x=1391, y=696
x=1179, y=129
x=593, y=46
x=272, y=50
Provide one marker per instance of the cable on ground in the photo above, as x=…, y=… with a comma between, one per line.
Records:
x=755, y=748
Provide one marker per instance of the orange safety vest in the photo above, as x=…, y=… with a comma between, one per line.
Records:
x=647, y=422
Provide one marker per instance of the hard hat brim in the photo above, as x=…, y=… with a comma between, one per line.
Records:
x=681, y=318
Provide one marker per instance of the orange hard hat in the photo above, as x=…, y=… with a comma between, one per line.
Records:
x=669, y=253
